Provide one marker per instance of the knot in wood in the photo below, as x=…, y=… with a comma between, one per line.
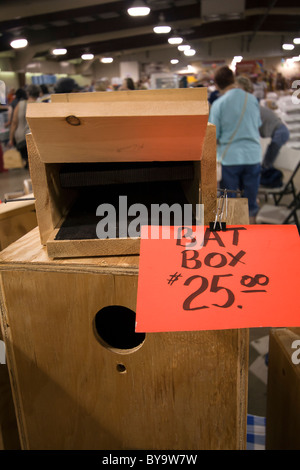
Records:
x=73, y=120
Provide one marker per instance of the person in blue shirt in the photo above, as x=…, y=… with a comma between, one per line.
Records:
x=236, y=116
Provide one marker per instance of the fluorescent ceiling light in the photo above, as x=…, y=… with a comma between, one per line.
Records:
x=162, y=27
x=174, y=61
x=87, y=56
x=183, y=47
x=175, y=40
x=107, y=60
x=189, y=52
x=288, y=47
x=19, y=43
x=138, y=8
x=296, y=40
x=59, y=51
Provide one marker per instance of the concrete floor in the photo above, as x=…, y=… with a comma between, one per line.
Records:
x=258, y=371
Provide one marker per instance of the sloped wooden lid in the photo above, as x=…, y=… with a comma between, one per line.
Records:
x=139, y=125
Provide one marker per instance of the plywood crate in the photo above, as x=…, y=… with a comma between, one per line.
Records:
x=85, y=149
x=16, y=219
x=84, y=380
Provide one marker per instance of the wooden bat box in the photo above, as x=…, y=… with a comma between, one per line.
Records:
x=89, y=149
x=82, y=379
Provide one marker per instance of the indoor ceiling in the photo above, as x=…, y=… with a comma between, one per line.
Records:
x=104, y=27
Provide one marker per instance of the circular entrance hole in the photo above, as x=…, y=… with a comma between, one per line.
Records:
x=115, y=328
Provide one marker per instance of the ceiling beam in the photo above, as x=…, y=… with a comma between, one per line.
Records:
x=66, y=14
x=199, y=32
x=260, y=22
x=12, y=10
x=113, y=25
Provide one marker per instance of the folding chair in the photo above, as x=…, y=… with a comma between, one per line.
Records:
x=289, y=160
x=280, y=215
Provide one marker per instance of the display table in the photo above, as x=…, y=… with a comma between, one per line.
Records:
x=72, y=390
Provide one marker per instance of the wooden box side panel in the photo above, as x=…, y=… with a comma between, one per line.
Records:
x=51, y=201
x=283, y=405
x=95, y=247
x=187, y=387
x=208, y=174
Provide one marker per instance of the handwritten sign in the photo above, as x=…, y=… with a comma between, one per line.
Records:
x=244, y=277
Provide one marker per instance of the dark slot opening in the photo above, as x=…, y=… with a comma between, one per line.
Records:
x=81, y=221
x=76, y=175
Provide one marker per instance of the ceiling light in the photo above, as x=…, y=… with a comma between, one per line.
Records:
x=296, y=40
x=19, y=43
x=183, y=47
x=138, y=8
x=175, y=40
x=161, y=27
x=87, y=56
x=288, y=47
x=174, y=61
x=107, y=60
x=238, y=58
x=59, y=51
x=189, y=52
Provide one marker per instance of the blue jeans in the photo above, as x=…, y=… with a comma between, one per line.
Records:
x=245, y=178
x=280, y=136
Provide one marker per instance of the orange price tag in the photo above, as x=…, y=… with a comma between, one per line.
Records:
x=243, y=277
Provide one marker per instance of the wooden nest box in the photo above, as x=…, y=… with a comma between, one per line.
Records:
x=87, y=149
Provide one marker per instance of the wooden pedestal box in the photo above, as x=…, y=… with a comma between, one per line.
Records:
x=83, y=379
x=87, y=149
x=283, y=403
x=16, y=219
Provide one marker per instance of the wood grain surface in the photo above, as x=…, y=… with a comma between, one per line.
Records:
x=144, y=125
x=16, y=219
x=283, y=391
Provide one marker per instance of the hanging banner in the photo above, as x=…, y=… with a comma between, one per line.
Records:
x=243, y=277
x=250, y=67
